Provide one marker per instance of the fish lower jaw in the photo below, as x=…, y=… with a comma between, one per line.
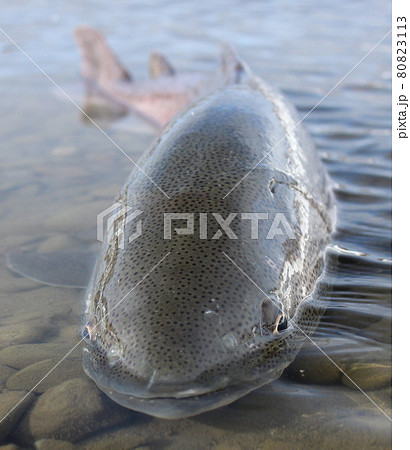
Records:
x=182, y=404
x=180, y=407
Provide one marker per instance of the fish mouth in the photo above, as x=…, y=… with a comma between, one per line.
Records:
x=181, y=401
x=181, y=406
x=178, y=403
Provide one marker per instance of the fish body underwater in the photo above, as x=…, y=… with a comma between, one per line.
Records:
x=178, y=325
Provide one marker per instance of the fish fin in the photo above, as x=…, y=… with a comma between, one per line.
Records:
x=100, y=64
x=72, y=268
x=159, y=66
x=232, y=65
x=134, y=123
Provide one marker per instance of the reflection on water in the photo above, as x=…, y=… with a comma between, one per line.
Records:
x=58, y=174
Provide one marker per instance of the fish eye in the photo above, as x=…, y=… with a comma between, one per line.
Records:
x=282, y=323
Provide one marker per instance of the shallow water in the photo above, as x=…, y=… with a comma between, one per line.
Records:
x=59, y=173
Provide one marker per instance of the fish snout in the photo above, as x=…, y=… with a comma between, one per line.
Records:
x=273, y=317
x=143, y=380
x=183, y=372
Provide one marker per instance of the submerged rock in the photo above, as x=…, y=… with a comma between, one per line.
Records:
x=69, y=335
x=129, y=436
x=368, y=376
x=28, y=377
x=42, y=306
x=72, y=410
x=20, y=334
x=20, y=356
x=8, y=401
x=325, y=360
x=227, y=446
x=9, y=447
x=312, y=366
x=5, y=373
x=53, y=444
x=273, y=444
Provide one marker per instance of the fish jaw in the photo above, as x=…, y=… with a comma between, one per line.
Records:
x=186, y=398
x=184, y=404
x=179, y=408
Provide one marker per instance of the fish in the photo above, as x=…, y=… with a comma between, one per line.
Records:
x=176, y=325
x=211, y=270
x=156, y=100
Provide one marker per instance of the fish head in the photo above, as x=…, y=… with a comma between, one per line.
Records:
x=192, y=336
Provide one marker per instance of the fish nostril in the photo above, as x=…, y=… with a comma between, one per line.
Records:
x=272, y=318
x=282, y=323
